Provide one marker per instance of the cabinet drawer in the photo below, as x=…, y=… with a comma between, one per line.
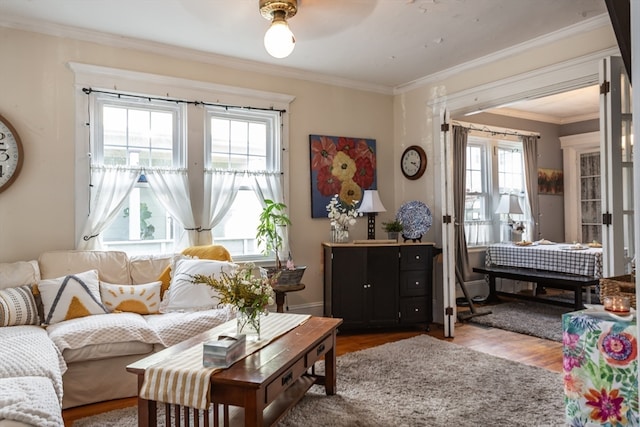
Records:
x=414, y=257
x=413, y=283
x=413, y=310
x=318, y=351
x=288, y=378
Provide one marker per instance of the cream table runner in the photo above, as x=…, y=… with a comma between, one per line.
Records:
x=183, y=380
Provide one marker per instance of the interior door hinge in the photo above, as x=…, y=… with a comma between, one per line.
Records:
x=444, y=127
x=446, y=219
x=448, y=311
x=605, y=87
x=607, y=218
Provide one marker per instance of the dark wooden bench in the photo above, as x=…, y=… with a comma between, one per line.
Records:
x=543, y=279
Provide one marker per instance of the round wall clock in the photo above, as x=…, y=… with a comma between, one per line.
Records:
x=10, y=154
x=413, y=162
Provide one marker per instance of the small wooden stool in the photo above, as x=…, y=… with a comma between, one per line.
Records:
x=281, y=292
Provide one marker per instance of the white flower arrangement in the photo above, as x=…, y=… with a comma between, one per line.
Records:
x=341, y=216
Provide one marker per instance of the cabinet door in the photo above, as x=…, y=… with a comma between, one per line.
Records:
x=382, y=292
x=349, y=286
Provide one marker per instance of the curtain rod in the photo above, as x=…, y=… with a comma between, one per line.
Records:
x=494, y=131
x=89, y=91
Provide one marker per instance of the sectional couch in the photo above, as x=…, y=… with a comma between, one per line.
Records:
x=71, y=321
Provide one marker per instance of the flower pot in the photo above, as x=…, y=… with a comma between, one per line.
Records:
x=287, y=276
x=393, y=235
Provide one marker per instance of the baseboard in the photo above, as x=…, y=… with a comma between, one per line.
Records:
x=314, y=308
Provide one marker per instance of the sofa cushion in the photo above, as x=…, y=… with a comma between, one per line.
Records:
x=176, y=327
x=148, y=268
x=107, y=351
x=72, y=296
x=112, y=266
x=141, y=299
x=18, y=307
x=184, y=295
x=102, y=329
x=31, y=400
x=28, y=351
x=19, y=273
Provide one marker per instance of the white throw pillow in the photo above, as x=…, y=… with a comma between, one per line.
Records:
x=141, y=299
x=184, y=295
x=72, y=296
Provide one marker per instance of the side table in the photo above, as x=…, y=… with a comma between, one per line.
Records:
x=281, y=293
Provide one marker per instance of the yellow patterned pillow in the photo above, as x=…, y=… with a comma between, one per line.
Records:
x=72, y=296
x=141, y=299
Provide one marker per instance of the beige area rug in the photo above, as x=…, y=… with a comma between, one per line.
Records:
x=421, y=381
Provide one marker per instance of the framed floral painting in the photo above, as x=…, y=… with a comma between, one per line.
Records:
x=343, y=166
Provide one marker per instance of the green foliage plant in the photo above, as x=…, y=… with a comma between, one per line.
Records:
x=394, y=226
x=272, y=217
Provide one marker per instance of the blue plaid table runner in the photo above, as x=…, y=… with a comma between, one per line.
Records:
x=559, y=257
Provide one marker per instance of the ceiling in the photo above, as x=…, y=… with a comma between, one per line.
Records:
x=381, y=43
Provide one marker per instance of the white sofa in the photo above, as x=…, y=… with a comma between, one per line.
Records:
x=83, y=359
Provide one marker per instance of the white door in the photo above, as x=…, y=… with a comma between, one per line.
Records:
x=448, y=227
x=616, y=156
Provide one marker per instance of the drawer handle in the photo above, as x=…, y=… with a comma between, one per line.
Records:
x=416, y=310
x=320, y=349
x=287, y=378
x=417, y=256
x=417, y=283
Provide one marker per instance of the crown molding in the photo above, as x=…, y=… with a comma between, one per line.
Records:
x=572, y=30
x=546, y=118
x=121, y=42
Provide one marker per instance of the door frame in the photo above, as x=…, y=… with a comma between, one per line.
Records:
x=569, y=75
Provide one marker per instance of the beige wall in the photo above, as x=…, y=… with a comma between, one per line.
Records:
x=37, y=97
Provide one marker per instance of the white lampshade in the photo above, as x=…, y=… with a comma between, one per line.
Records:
x=279, y=40
x=371, y=202
x=509, y=204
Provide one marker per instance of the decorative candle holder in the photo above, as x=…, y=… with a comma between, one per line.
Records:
x=617, y=304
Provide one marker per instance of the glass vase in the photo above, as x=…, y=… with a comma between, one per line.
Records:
x=248, y=323
x=339, y=234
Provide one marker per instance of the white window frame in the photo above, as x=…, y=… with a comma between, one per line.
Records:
x=154, y=85
x=273, y=154
x=491, y=145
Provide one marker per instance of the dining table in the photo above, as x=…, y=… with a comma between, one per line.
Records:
x=578, y=259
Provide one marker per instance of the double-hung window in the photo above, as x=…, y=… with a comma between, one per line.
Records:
x=247, y=145
x=493, y=167
x=136, y=134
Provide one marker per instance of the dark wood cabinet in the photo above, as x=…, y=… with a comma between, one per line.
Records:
x=378, y=285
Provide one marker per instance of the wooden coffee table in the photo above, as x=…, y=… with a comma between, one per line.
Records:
x=259, y=389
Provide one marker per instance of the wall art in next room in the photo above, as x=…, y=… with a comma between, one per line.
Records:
x=343, y=166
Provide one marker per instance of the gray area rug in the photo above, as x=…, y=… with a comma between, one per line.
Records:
x=525, y=317
x=421, y=381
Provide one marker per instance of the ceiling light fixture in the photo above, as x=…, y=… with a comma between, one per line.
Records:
x=279, y=40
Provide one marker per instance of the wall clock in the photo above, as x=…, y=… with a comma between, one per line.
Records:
x=11, y=154
x=413, y=162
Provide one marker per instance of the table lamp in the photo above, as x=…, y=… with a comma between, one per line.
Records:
x=509, y=204
x=371, y=205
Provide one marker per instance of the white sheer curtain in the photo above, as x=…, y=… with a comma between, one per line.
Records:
x=110, y=186
x=171, y=188
x=220, y=190
x=268, y=185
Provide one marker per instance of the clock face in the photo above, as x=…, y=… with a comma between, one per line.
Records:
x=10, y=154
x=413, y=162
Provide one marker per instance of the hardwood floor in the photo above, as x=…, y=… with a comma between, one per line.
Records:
x=517, y=347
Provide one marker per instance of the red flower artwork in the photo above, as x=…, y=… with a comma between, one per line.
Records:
x=343, y=166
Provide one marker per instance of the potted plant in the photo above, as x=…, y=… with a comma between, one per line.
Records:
x=393, y=228
x=272, y=217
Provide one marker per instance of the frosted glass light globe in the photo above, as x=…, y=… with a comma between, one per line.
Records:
x=279, y=40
